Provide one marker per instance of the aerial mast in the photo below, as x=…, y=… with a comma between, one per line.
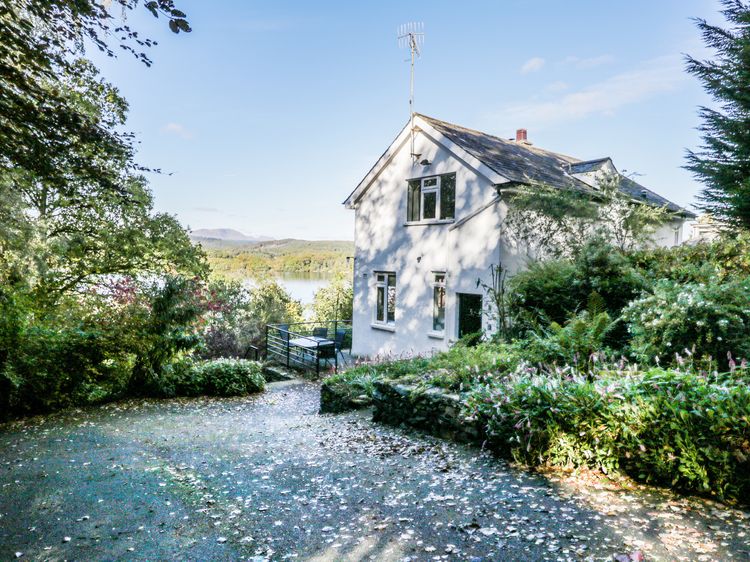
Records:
x=411, y=36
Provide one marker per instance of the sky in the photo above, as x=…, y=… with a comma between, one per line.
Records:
x=269, y=113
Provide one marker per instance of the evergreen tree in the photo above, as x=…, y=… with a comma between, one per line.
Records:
x=723, y=162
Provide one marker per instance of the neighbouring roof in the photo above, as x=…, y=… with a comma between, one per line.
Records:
x=524, y=163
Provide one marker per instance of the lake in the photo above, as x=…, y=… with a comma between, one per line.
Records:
x=301, y=286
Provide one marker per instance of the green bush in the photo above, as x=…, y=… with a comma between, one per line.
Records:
x=165, y=331
x=218, y=377
x=230, y=377
x=183, y=377
x=545, y=292
x=722, y=259
x=51, y=369
x=605, y=270
x=580, y=343
x=358, y=380
x=461, y=367
x=664, y=427
x=456, y=370
x=555, y=291
x=710, y=320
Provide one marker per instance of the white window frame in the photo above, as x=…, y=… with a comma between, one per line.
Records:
x=435, y=284
x=429, y=189
x=381, y=282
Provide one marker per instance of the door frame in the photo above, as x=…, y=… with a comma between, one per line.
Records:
x=458, y=311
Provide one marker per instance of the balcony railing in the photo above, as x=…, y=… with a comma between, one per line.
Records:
x=309, y=346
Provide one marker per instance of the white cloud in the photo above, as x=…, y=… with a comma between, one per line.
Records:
x=177, y=129
x=532, y=65
x=558, y=86
x=649, y=80
x=589, y=62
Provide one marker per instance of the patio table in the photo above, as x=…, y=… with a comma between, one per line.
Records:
x=310, y=342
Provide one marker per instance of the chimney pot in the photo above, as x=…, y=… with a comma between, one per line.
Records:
x=521, y=135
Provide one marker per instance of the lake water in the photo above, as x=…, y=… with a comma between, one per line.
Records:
x=301, y=286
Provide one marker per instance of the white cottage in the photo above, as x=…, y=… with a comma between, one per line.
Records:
x=427, y=231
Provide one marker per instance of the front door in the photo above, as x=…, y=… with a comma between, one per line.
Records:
x=469, y=314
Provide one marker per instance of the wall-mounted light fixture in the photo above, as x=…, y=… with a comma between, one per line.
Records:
x=425, y=162
x=419, y=259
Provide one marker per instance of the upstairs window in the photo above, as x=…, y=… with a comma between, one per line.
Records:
x=385, y=299
x=431, y=199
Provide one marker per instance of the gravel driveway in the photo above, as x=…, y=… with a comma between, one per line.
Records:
x=266, y=477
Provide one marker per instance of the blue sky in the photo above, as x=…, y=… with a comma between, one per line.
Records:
x=271, y=112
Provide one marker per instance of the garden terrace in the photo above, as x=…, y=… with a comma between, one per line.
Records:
x=309, y=346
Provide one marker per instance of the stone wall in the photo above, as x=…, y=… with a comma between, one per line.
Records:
x=335, y=399
x=433, y=410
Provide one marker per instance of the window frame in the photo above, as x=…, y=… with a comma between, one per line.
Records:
x=383, y=282
x=423, y=191
x=438, y=284
x=437, y=189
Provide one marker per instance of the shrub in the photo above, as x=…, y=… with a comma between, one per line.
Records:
x=548, y=291
x=456, y=370
x=461, y=367
x=665, y=427
x=710, y=320
x=721, y=259
x=227, y=329
x=555, y=291
x=219, y=377
x=54, y=368
x=581, y=342
x=544, y=419
x=231, y=377
x=167, y=330
x=342, y=389
x=689, y=432
x=181, y=378
x=605, y=270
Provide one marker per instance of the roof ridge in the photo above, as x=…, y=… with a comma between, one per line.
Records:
x=530, y=147
x=594, y=160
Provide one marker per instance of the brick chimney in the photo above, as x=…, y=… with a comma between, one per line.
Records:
x=521, y=135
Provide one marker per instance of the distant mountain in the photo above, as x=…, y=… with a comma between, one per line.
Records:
x=225, y=234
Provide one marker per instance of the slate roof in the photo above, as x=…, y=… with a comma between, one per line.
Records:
x=525, y=163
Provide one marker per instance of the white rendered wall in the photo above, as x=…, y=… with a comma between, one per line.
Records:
x=414, y=252
x=384, y=242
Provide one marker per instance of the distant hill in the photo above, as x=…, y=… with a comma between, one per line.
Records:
x=225, y=234
x=245, y=258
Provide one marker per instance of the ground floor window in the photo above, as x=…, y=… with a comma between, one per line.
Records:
x=385, y=302
x=438, y=302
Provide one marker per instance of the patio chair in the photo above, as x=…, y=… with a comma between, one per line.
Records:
x=338, y=343
x=283, y=330
x=320, y=333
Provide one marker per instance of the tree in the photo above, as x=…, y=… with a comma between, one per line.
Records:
x=334, y=301
x=723, y=162
x=548, y=222
x=78, y=232
x=38, y=120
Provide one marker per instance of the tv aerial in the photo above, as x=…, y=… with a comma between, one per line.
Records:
x=411, y=36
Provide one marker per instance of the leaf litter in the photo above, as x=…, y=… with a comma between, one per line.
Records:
x=268, y=478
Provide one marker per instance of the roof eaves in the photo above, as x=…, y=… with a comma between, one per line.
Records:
x=374, y=171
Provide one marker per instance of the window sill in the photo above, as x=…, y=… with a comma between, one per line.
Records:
x=383, y=327
x=430, y=223
x=436, y=335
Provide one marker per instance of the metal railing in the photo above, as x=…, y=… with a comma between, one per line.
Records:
x=252, y=352
x=308, y=345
